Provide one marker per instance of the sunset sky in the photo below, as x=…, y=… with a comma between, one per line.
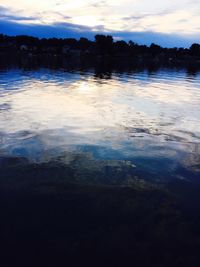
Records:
x=165, y=22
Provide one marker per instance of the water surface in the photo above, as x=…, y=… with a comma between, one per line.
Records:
x=144, y=124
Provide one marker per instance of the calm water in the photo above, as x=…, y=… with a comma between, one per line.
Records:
x=144, y=124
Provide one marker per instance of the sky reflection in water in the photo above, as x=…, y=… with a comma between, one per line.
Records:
x=149, y=119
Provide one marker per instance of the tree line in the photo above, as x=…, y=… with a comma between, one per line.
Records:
x=103, y=50
x=103, y=44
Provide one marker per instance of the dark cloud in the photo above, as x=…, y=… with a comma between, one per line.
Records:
x=70, y=26
x=46, y=13
x=7, y=15
x=146, y=15
x=17, y=18
x=136, y=17
x=3, y=10
x=183, y=20
x=98, y=4
x=65, y=17
x=59, y=30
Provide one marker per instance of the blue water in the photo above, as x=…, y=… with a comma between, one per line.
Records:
x=147, y=122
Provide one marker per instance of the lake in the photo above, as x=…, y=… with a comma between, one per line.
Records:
x=139, y=124
x=99, y=168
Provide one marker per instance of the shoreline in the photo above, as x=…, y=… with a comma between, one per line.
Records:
x=122, y=63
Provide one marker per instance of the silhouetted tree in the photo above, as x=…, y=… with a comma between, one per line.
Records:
x=71, y=42
x=104, y=44
x=121, y=46
x=84, y=43
x=155, y=49
x=26, y=40
x=2, y=38
x=195, y=49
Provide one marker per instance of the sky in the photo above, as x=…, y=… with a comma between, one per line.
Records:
x=166, y=22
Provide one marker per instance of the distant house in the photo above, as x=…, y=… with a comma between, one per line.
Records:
x=49, y=49
x=90, y=51
x=75, y=52
x=3, y=46
x=23, y=48
x=65, y=49
x=7, y=46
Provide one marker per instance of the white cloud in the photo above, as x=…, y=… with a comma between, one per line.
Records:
x=180, y=16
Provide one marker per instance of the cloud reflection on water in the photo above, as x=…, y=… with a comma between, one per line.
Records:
x=131, y=116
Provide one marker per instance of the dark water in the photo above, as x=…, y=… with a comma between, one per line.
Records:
x=99, y=170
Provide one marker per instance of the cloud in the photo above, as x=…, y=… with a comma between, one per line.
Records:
x=59, y=30
x=3, y=10
x=17, y=18
x=143, y=27
x=66, y=30
x=147, y=15
x=99, y=4
x=181, y=16
x=7, y=15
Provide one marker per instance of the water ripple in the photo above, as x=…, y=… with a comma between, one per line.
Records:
x=130, y=116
